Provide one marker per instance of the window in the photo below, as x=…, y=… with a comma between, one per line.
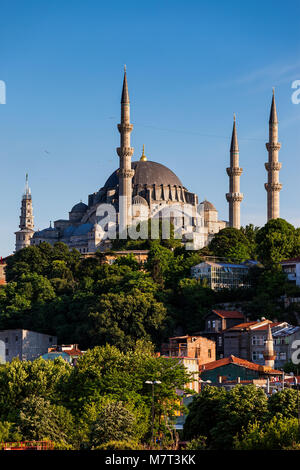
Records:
x=282, y=356
x=257, y=356
x=220, y=341
x=17, y=338
x=258, y=340
x=208, y=324
x=209, y=353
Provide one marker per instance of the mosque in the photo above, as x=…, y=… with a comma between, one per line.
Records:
x=142, y=190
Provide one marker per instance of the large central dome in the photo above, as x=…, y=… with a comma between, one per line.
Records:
x=147, y=173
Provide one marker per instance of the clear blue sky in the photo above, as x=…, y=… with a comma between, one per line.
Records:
x=191, y=65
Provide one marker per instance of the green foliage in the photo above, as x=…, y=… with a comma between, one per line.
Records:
x=231, y=244
x=38, y=419
x=115, y=422
x=203, y=413
x=199, y=443
x=275, y=242
x=119, y=445
x=284, y=403
x=220, y=415
x=277, y=434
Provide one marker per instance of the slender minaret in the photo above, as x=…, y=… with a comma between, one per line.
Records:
x=273, y=187
x=125, y=152
x=24, y=235
x=269, y=353
x=234, y=197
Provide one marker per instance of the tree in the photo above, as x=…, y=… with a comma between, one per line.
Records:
x=243, y=404
x=277, y=434
x=232, y=244
x=203, y=413
x=220, y=415
x=25, y=379
x=38, y=419
x=284, y=403
x=116, y=421
x=121, y=319
x=275, y=242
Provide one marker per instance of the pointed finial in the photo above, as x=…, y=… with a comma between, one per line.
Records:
x=234, y=146
x=273, y=113
x=125, y=94
x=143, y=157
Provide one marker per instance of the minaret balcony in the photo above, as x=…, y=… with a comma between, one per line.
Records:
x=273, y=166
x=273, y=146
x=234, y=197
x=273, y=187
x=234, y=171
x=125, y=151
x=125, y=127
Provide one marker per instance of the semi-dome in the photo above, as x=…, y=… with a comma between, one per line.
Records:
x=139, y=200
x=147, y=173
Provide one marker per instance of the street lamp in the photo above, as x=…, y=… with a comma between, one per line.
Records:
x=204, y=382
x=153, y=382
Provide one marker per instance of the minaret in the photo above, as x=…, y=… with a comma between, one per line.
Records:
x=24, y=235
x=273, y=187
x=269, y=353
x=234, y=197
x=125, y=152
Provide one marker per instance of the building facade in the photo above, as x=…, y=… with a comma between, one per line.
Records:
x=24, y=344
x=218, y=275
x=249, y=340
x=218, y=321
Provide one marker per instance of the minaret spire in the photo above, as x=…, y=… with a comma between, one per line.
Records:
x=125, y=152
x=269, y=353
x=234, y=197
x=24, y=235
x=273, y=166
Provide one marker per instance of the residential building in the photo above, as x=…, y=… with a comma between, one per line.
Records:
x=219, y=275
x=192, y=350
x=247, y=340
x=24, y=344
x=236, y=369
x=284, y=339
x=2, y=273
x=70, y=353
x=191, y=346
x=216, y=322
x=291, y=267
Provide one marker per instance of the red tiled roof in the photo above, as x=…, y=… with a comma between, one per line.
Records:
x=255, y=325
x=238, y=361
x=229, y=313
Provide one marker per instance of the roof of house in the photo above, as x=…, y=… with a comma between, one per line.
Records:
x=256, y=325
x=239, y=362
x=229, y=313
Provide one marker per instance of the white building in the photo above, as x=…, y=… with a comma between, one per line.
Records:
x=222, y=275
x=291, y=267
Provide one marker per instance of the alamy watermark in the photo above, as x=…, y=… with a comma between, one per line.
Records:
x=296, y=94
x=2, y=92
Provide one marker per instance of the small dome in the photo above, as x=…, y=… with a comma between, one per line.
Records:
x=139, y=200
x=208, y=206
x=80, y=207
